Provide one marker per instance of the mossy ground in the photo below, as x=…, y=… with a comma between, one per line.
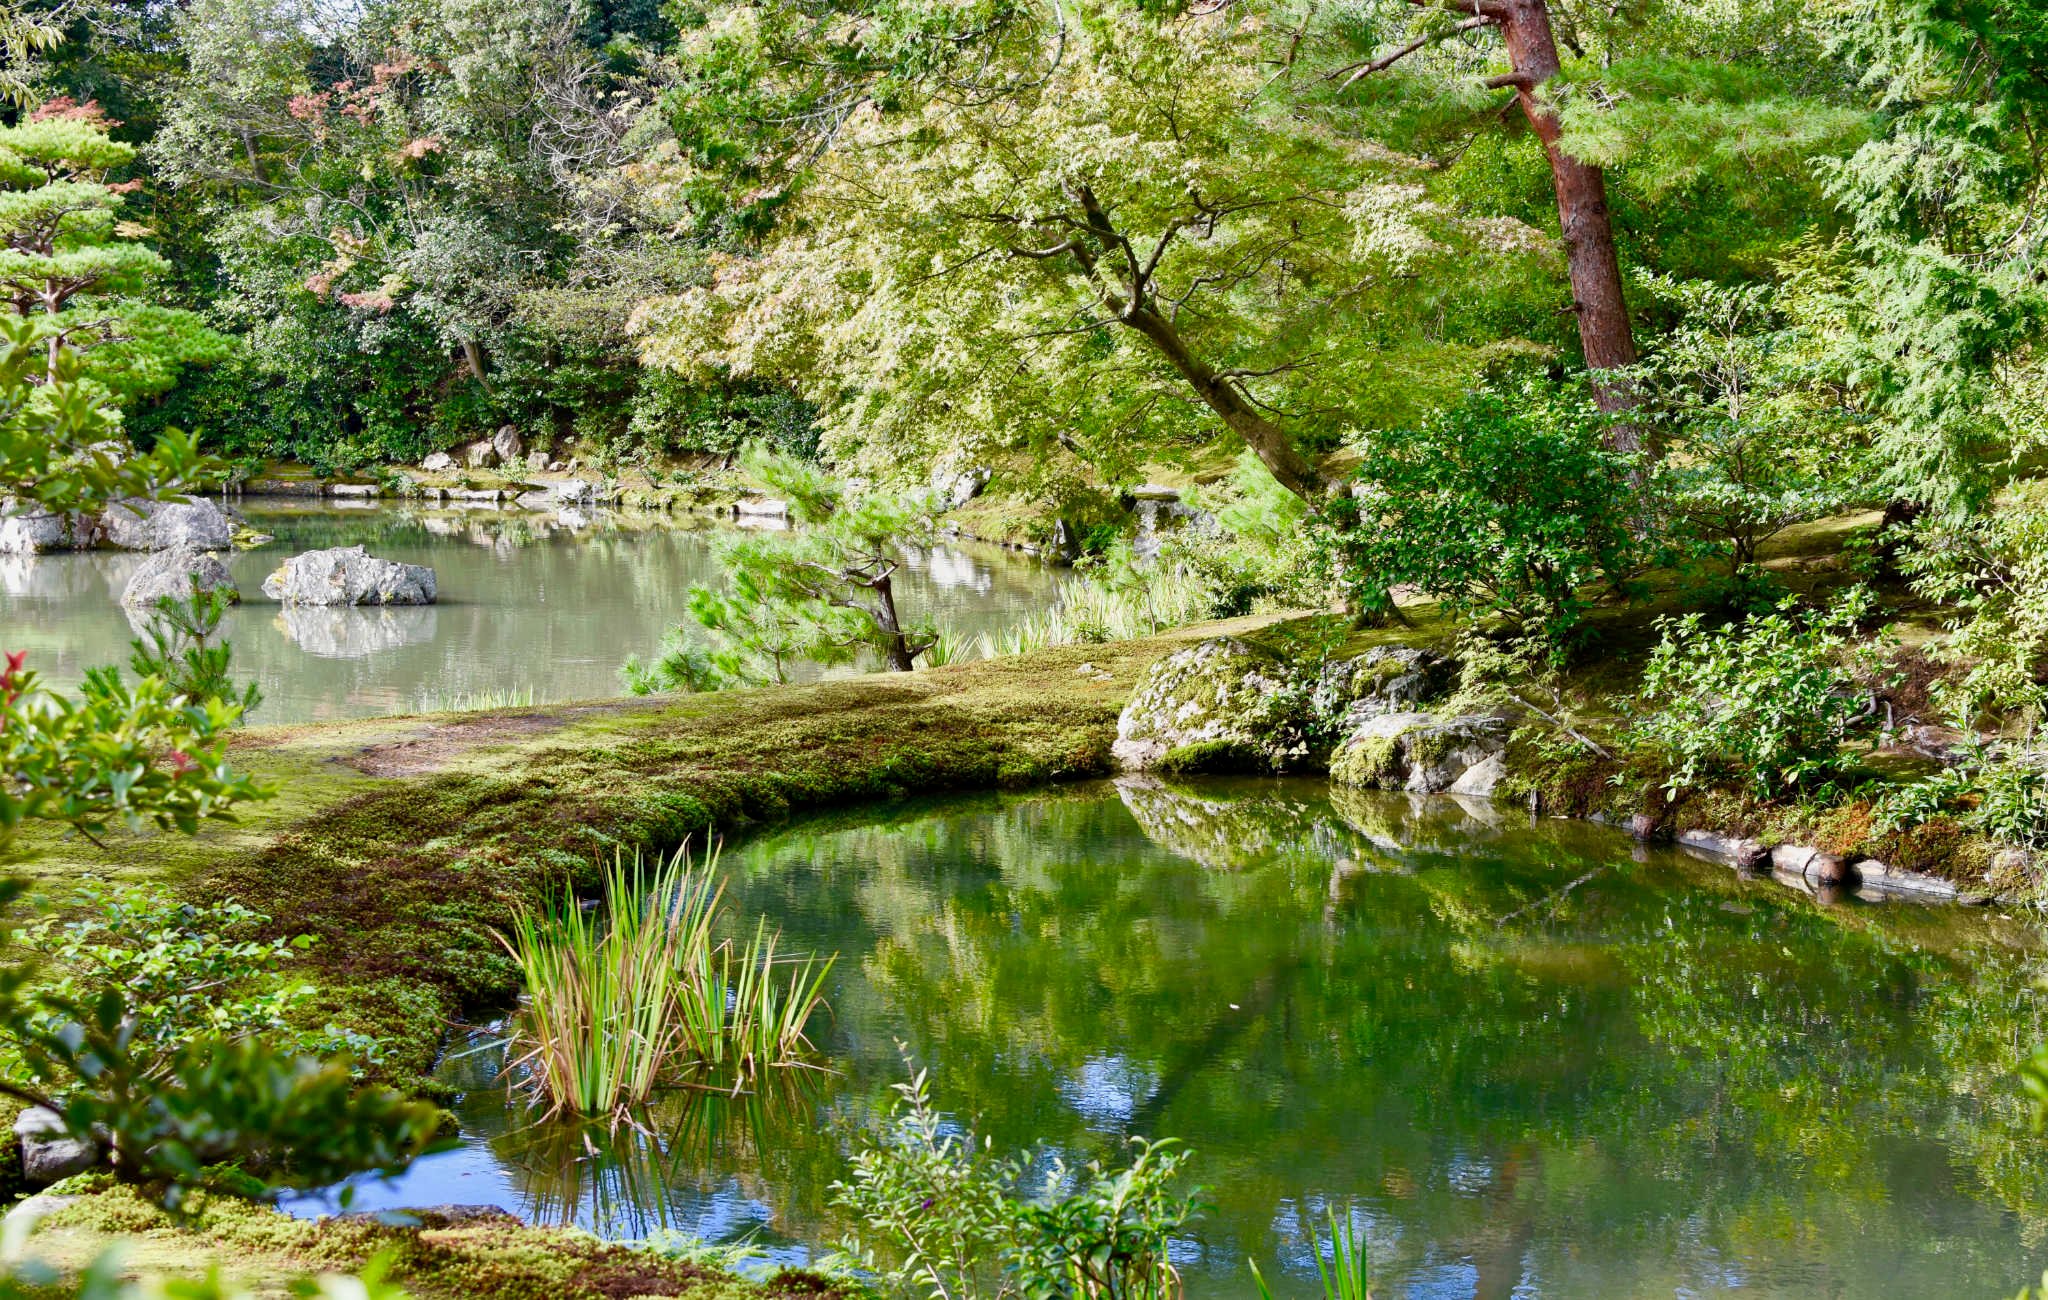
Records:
x=438, y=1258
x=402, y=844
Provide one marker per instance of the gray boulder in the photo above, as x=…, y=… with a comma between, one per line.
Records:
x=1424, y=753
x=138, y=525
x=173, y=572
x=1223, y=705
x=1383, y=680
x=508, y=444
x=439, y=463
x=349, y=575
x=49, y=1153
x=34, y=530
x=481, y=454
x=956, y=482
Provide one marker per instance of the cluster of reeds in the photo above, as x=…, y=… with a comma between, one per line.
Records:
x=1346, y=1275
x=516, y=697
x=642, y=994
x=1119, y=605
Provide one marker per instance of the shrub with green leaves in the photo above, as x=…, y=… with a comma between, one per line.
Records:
x=937, y=1214
x=187, y=970
x=114, y=754
x=1997, y=788
x=1767, y=701
x=1508, y=504
x=182, y=644
x=1992, y=569
x=1747, y=446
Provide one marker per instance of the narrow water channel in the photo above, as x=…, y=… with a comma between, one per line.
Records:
x=1526, y=1060
x=537, y=607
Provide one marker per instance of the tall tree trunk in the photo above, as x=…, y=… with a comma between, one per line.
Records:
x=1597, y=299
x=895, y=646
x=473, y=361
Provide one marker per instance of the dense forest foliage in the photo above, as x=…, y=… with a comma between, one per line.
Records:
x=1795, y=244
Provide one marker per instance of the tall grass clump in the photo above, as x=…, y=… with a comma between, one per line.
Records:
x=641, y=994
x=516, y=697
x=1346, y=1275
x=1121, y=599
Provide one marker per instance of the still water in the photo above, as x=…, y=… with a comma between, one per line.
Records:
x=1525, y=1060
x=544, y=604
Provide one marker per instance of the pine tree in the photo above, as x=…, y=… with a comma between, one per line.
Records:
x=74, y=268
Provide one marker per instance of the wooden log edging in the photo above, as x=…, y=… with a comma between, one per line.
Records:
x=1817, y=869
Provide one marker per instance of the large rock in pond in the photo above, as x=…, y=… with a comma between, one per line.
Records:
x=1222, y=706
x=174, y=573
x=349, y=575
x=139, y=525
x=1424, y=753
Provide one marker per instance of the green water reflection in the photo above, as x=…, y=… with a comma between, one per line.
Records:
x=546, y=604
x=1527, y=1061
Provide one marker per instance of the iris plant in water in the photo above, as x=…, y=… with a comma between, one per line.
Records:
x=641, y=994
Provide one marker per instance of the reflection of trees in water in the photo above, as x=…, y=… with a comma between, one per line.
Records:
x=1522, y=1051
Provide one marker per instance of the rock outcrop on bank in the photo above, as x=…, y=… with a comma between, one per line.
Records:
x=349, y=575
x=1225, y=705
x=1388, y=719
x=1232, y=705
x=130, y=525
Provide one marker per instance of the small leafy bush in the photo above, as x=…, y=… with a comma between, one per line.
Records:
x=1506, y=505
x=1767, y=701
x=1748, y=452
x=1998, y=789
x=206, y=1110
x=182, y=644
x=1993, y=569
x=187, y=971
x=938, y=1214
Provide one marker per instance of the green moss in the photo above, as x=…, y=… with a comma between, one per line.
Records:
x=1368, y=762
x=490, y=1255
x=1214, y=757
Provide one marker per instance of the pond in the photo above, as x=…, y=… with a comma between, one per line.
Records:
x=1525, y=1059
x=538, y=607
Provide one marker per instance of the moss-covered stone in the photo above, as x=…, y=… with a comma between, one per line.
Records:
x=1215, y=757
x=1370, y=763
x=1420, y=752
x=1225, y=695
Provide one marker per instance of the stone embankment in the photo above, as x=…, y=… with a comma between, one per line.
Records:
x=1387, y=720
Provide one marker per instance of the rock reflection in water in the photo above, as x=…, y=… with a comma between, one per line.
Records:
x=355, y=632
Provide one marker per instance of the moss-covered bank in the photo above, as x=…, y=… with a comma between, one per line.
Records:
x=401, y=843
x=445, y=1255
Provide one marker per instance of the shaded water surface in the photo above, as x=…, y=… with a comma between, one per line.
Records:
x=534, y=604
x=1524, y=1061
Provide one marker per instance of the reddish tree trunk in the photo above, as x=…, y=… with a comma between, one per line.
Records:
x=1581, y=210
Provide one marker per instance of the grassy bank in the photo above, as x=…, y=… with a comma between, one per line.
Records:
x=443, y=1256
x=401, y=843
